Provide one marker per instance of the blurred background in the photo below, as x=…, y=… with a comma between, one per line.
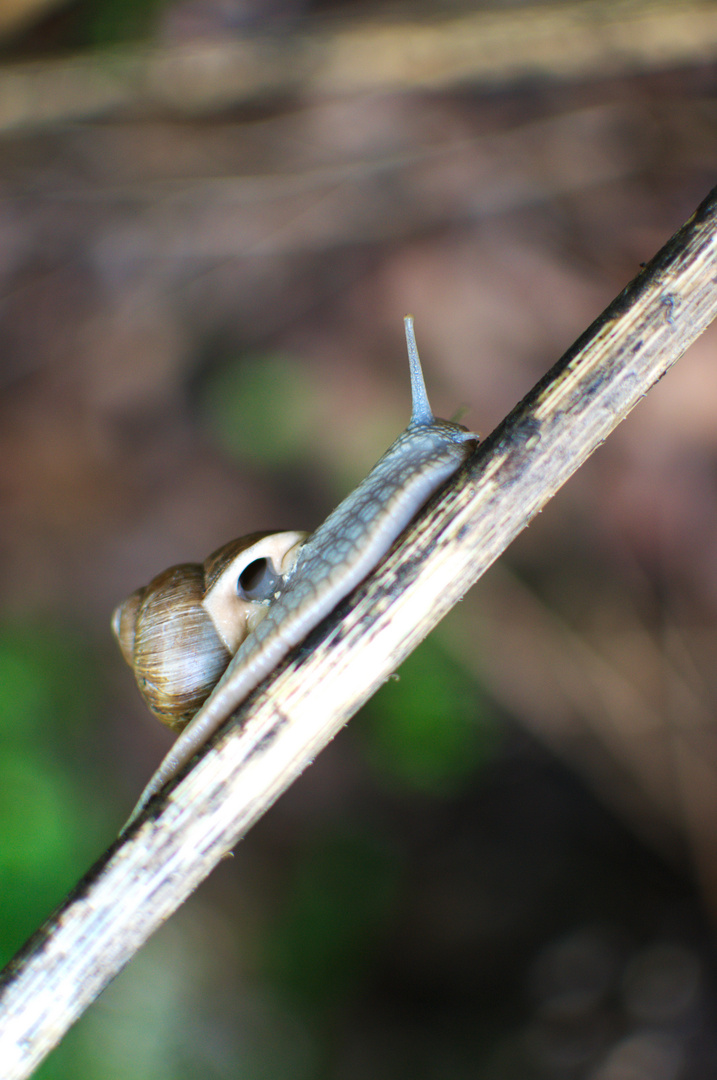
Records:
x=213, y=216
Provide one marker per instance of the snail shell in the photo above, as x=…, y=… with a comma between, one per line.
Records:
x=179, y=633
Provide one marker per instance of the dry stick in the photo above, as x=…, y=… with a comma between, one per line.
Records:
x=276, y=734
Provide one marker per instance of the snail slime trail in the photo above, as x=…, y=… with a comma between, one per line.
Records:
x=200, y=638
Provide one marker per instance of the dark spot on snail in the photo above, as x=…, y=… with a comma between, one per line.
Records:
x=258, y=581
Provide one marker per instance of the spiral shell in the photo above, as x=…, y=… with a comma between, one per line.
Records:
x=179, y=633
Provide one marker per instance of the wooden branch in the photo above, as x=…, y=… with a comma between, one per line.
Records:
x=581, y=40
x=183, y=833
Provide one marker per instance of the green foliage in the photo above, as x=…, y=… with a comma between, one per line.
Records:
x=47, y=695
x=110, y=22
x=338, y=903
x=429, y=729
x=261, y=409
x=35, y=816
x=46, y=675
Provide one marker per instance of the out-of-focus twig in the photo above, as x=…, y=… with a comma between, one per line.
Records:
x=578, y=702
x=16, y=15
x=581, y=40
x=380, y=193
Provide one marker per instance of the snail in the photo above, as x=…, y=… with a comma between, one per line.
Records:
x=313, y=575
x=179, y=632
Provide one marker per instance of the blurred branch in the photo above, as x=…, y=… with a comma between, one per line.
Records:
x=576, y=701
x=586, y=39
x=269, y=741
x=532, y=162
x=16, y=15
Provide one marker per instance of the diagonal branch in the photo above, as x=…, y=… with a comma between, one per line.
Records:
x=183, y=833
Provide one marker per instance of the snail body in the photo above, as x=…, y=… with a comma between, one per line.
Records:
x=332, y=561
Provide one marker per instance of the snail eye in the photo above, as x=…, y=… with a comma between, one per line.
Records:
x=257, y=581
